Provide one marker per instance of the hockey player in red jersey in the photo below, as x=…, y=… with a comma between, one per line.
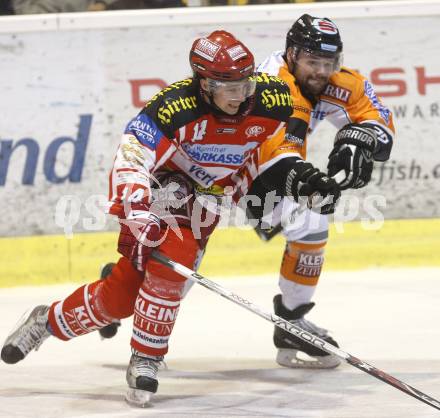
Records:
x=321, y=89
x=194, y=139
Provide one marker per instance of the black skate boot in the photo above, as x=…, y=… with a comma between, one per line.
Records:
x=27, y=336
x=294, y=352
x=110, y=330
x=142, y=379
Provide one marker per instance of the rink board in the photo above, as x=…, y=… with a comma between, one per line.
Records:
x=221, y=360
x=73, y=81
x=231, y=252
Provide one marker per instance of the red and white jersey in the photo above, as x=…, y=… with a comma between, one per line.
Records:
x=178, y=131
x=348, y=98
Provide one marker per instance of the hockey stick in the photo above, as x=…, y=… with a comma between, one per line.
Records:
x=295, y=330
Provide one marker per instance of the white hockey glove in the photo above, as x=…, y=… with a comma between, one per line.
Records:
x=140, y=234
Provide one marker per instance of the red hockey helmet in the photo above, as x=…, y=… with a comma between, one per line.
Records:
x=220, y=56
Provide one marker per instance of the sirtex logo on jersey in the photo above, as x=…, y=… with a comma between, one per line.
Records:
x=171, y=107
x=267, y=79
x=175, y=86
x=272, y=98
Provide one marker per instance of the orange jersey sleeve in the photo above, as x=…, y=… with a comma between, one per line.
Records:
x=350, y=98
x=292, y=140
x=355, y=95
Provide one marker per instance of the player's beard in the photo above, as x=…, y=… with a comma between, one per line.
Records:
x=315, y=85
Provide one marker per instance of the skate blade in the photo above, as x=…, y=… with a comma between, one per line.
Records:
x=22, y=320
x=138, y=398
x=299, y=360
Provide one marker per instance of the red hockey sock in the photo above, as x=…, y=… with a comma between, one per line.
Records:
x=154, y=319
x=77, y=314
x=157, y=304
x=95, y=305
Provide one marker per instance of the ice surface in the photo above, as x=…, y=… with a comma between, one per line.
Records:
x=221, y=360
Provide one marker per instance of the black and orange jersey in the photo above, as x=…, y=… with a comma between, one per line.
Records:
x=348, y=98
x=177, y=130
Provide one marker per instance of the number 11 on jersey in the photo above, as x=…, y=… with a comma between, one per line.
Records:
x=199, y=130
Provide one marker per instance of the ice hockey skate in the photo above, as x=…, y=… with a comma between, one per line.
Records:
x=110, y=330
x=29, y=334
x=141, y=379
x=294, y=352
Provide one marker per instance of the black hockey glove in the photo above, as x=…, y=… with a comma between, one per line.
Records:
x=306, y=183
x=353, y=155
